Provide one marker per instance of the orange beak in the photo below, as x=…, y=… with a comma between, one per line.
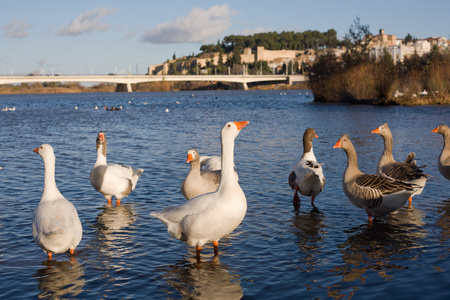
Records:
x=377, y=131
x=36, y=150
x=316, y=136
x=435, y=130
x=189, y=158
x=338, y=145
x=241, y=125
x=101, y=136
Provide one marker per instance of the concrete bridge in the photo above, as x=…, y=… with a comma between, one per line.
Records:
x=128, y=80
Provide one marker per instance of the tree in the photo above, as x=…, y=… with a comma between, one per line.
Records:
x=358, y=41
x=408, y=38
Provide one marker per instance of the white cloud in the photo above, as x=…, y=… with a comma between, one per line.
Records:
x=88, y=22
x=16, y=29
x=197, y=27
x=253, y=31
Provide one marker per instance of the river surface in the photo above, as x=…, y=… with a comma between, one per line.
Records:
x=276, y=253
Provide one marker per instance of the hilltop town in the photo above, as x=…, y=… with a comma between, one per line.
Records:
x=293, y=61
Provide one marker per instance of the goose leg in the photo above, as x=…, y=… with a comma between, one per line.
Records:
x=370, y=218
x=312, y=201
x=216, y=248
x=296, y=200
x=118, y=202
x=410, y=201
x=109, y=201
x=72, y=251
x=198, y=250
x=49, y=256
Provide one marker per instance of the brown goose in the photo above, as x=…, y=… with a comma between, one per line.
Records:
x=307, y=175
x=406, y=171
x=444, y=158
x=377, y=195
x=198, y=182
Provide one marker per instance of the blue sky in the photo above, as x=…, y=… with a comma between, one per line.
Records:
x=104, y=36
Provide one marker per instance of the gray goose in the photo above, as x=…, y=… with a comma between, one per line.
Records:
x=198, y=182
x=444, y=158
x=307, y=176
x=376, y=194
x=406, y=171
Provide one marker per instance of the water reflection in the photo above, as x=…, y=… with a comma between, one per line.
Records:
x=60, y=278
x=444, y=223
x=207, y=280
x=114, y=237
x=385, y=246
x=310, y=230
x=113, y=218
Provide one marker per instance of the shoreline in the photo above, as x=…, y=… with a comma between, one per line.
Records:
x=189, y=86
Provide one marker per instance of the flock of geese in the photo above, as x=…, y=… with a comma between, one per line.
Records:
x=216, y=204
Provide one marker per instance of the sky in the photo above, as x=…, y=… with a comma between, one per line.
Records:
x=98, y=37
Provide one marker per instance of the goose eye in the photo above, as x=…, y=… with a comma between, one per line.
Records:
x=229, y=125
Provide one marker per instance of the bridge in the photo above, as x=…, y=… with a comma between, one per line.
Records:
x=128, y=80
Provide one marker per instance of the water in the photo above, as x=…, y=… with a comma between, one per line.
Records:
x=276, y=253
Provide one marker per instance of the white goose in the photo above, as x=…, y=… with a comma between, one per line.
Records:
x=112, y=179
x=307, y=176
x=444, y=158
x=377, y=195
x=198, y=182
x=406, y=171
x=209, y=217
x=56, y=225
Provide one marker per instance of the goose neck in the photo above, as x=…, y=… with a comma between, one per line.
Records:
x=388, y=145
x=50, y=187
x=352, y=163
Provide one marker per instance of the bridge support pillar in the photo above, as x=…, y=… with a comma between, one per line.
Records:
x=122, y=88
x=244, y=84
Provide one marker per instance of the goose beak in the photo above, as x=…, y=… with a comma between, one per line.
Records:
x=189, y=158
x=377, y=131
x=316, y=136
x=241, y=124
x=435, y=130
x=101, y=136
x=36, y=150
x=338, y=145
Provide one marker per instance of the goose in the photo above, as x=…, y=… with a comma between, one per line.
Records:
x=209, y=217
x=56, y=226
x=112, y=179
x=406, y=171
x=306, y=176
x=376, y=194
x=198, y=182
x=444, y=158
x=213, y=163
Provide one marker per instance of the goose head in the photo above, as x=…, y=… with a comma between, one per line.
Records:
x=343, y=143
x=45, y=150
x=383, y=130
x=101, y=142
x=442, y=129
x=192, y=155
x=232, y=129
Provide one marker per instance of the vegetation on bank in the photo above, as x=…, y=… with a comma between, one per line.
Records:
x=356, y=78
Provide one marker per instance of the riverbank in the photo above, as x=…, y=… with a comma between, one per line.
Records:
x=199, y=86
x=144, y=87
